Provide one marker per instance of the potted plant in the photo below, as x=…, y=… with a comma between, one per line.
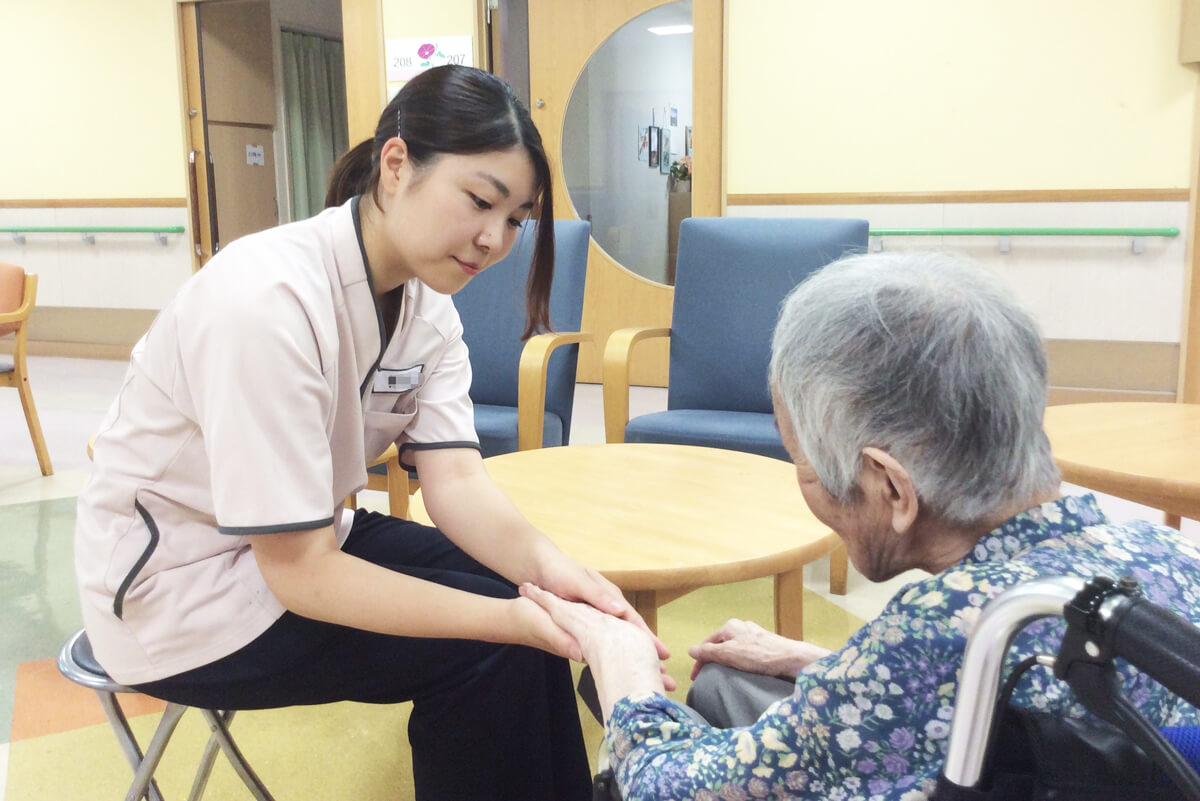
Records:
x=680, y=175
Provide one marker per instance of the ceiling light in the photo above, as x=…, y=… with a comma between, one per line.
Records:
x=670, y=30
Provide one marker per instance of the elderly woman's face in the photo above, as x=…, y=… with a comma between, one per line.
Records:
x=864, y=527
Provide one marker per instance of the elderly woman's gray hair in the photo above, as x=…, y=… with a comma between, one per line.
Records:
x=928, y=357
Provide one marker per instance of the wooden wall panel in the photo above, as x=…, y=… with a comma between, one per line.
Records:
x=366, y=91
x=1189, y=355
x=1113, y=365
x=979, y=196
x=563, y=34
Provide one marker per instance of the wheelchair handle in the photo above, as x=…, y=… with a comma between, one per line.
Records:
x=1158, y=642
x=983, y=663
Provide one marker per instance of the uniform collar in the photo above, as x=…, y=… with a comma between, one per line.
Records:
x=358, y=291
x=1050, y=520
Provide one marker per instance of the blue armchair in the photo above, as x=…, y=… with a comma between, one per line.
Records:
x=731, y=276
x=523, y=392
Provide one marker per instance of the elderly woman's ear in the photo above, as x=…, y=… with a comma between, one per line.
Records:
x=886, y=482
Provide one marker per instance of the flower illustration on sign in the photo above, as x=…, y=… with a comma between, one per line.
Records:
x=426, y=50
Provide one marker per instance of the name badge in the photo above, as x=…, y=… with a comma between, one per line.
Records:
x=395, y=381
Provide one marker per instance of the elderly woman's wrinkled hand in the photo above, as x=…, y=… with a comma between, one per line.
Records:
x=749, y=647
x=623, y=656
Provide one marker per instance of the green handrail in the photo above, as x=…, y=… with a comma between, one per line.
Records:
x=1166, y=232
x=92, y=229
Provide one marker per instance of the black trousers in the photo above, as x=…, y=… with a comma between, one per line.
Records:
x=488, y=722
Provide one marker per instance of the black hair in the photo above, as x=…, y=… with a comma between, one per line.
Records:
x=455, y=109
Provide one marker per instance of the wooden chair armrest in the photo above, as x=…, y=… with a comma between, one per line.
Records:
x=531, y=383
x=397, y=482
x=616, y=377
x=387, y=456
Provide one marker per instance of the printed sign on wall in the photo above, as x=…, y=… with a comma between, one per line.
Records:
x=407, y=58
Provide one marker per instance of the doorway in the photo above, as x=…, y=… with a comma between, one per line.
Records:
x=266, y=107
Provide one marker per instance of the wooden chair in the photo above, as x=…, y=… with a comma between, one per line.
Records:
x=18, y=290
x=395, y=481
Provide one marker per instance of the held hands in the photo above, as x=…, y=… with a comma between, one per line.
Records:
x=572, y=581
x=541, y=631
x=622, y=655
x=749, y=647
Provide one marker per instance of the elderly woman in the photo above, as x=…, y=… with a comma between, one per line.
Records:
x=909, y=391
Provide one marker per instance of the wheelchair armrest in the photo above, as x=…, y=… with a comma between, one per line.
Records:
x=531, y=384
x=617, y=353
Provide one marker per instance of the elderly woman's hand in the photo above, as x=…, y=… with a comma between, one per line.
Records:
x=622, y=655
x=749, y=647
x=568, y=579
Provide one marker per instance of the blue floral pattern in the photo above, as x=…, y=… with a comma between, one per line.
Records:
x=870, y=722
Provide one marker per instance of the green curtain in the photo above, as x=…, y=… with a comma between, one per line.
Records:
x=314, y=98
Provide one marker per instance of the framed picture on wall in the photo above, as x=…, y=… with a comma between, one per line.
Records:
x=655, y=145
x=643, y=143
x=687, y=141
x=664, y=161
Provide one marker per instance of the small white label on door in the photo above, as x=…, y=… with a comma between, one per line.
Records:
x=255, y=155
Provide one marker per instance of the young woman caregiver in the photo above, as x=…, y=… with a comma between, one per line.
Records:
x=216, y=564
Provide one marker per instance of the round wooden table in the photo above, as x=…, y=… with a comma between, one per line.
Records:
x=662, y=520
x=1148, y=453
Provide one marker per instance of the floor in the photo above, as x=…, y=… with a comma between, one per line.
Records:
x=53, y=742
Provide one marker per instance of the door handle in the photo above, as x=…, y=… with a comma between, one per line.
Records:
x=213, y=228
x=194, y=180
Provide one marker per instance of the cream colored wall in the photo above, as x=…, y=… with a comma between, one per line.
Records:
x=92, y=100
x=407, y=19
x=929, y=95
x=411, y=19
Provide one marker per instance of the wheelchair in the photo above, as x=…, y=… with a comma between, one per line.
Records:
x=998, y=752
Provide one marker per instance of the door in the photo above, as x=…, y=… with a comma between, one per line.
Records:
x=563, y=34
x=508, y=40
x=228, y=53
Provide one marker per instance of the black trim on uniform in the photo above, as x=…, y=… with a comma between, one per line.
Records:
x=362, y=248
x=433, y=446
x=127, y=582
x=278, y=528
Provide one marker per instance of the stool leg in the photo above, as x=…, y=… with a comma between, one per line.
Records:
x=220, y=731
x=204, y=770
x=144, y=776
x=128, y=743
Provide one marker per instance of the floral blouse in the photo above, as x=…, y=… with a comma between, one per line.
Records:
x=870, y=722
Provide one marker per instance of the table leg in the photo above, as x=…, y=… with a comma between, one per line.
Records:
x=789, y=603
x=646, y=604
x=839, y=567
x=1172, y=520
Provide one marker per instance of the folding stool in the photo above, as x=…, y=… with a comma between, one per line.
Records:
x=78, y=664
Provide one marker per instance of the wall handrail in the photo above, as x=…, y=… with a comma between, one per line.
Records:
x=1163, y=232
x=92, y=229
x=87, y=233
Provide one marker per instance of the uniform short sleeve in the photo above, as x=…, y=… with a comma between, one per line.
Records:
x=251, y=368
x=444, y=416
